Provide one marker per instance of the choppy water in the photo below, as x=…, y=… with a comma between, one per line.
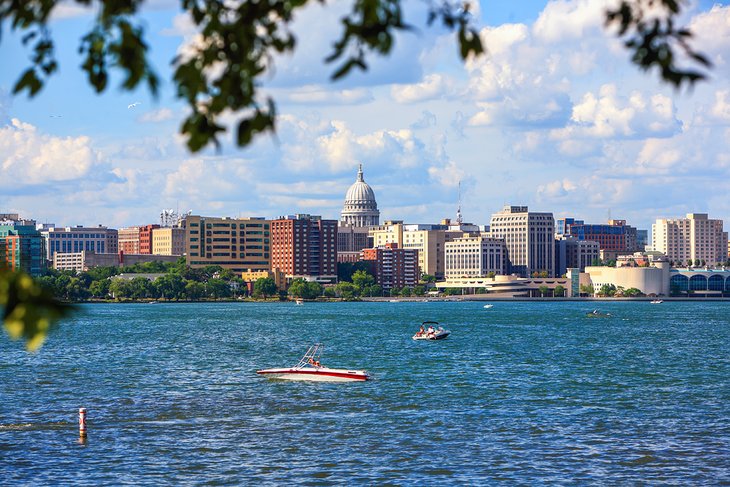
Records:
x=523, y=392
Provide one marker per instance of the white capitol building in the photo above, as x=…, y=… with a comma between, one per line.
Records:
x=361, y=209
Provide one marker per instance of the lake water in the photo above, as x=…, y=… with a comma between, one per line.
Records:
x=523, y=392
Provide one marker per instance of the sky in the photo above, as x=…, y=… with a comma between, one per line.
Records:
x=554, y=117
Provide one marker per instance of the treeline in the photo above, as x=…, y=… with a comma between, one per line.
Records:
x=178, y=281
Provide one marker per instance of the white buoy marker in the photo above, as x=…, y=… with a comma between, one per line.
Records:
x=82, y=422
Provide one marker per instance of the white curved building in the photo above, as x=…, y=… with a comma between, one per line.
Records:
x=361, y=209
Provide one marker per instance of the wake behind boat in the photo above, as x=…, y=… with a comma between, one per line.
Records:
x=309, y=368
x=431, y=333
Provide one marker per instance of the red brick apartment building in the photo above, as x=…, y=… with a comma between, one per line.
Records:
x=393, y=267
x=305, y=246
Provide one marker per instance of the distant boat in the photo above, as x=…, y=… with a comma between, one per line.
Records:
x=598, y=314
x=487, y=306
x=656, y=301
x=431, y=333
x=299, y=302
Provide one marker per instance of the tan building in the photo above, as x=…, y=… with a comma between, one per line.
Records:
x=695, y=238
x=390, y=232
x=168, y=241
x=129, y=240
x=474, y=256
x=83, y=261
x=238, y=244
x=528, y=237
x=250, y=278
x=428, y=239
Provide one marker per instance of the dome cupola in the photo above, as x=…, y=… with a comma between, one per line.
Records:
x=360, y=209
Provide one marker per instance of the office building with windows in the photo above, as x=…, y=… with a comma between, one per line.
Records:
x=475, y=255
x=696, y=238
x=22, y=247
x=305, y=246
x=238, y=244
x=393, y=266
x=529, y=239
x=65, y=240
x=168, y=241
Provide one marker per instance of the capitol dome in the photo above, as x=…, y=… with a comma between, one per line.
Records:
x=361, y=209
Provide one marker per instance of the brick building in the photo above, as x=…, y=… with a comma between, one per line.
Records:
x=393, y=266
x=305, y=246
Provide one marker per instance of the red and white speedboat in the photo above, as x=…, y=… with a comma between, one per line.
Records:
x=309, y=368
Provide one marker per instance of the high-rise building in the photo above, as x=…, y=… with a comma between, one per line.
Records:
x=238, y=244
x=168, y=241
x=389, y=232
x=562, y=225
x=393, y=266
x=528, y=237
x=474, y=256
x=360, y=209
x=614, y=237
x=22, y=247
x=695, y=238
x=305, y=246
x=101, y=240
x=571, y=253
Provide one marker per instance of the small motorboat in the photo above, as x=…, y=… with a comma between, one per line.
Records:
x=597, y=314
x=299, y=302
x=309, y=368
x=657, y=301
x=430, y=330
x=487, y=306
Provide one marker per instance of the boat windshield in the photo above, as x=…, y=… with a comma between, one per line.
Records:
x=311, y=358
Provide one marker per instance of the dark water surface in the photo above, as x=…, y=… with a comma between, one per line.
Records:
x=523, y=392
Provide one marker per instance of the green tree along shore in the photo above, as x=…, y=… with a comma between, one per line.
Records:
x=156, y=280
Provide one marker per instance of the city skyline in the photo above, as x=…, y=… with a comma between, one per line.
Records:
x=555, y=118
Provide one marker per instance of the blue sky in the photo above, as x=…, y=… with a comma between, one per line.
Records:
x=554, y=117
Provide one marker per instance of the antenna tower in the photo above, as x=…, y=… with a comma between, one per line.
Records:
x=459, y=219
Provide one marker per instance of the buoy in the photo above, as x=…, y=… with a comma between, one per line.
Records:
x=82, y=422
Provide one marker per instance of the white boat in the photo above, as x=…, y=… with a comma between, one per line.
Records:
x=431, y=333
x=657, y=301
x=299, y=302
x=309, y=368
x=487, y=306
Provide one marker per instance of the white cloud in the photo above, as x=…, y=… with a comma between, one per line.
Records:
x=564, y=20
x=156, y=116
x=609, y=115
x=30, y=157
x=200, y=180
x=711, y=36
x=449, y=175
x=317, y=95
x=721, y=108
x=433, y=86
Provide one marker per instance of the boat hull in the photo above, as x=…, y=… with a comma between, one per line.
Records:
x=321, y=374
x=437, y=336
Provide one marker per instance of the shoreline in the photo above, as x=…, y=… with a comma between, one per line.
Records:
x=465, y=298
